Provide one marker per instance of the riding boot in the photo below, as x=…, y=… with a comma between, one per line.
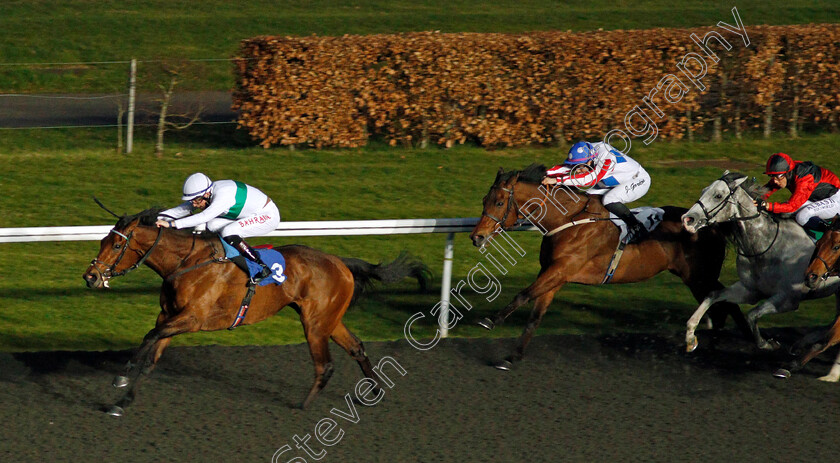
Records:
x=252, y=255
x=635, y=230
x=816, y=227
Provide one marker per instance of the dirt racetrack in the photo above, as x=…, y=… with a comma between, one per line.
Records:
x=594, y=399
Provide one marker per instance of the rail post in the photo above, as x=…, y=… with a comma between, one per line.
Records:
x=132, y=84
x=446, y=282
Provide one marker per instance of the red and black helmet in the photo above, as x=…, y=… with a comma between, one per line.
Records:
x=779, y=163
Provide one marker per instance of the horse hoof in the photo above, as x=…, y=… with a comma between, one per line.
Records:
x=486, y=323
x=120, y=381
x=115, y=410
x=504, y=365
x=691, y=345
x=782, y=373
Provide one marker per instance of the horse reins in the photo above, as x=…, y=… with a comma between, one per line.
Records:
x=830, y=270
x=109, y=271
x=513, y=205
x=728, y=200
x=212, y=260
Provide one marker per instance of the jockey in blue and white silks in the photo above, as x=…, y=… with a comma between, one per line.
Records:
x=603, y=170
x=232, y=209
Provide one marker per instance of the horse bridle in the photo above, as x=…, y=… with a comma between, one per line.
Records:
x=717, y=209
x=110, y=270
x=510, y=204
x=830, y=270
x=728, y=200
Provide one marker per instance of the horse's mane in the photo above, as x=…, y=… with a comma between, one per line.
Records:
x=751, y=186
x=533, y=174
x=149, y=216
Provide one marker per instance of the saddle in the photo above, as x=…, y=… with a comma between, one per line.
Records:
x=272, y=258
x=650, y=217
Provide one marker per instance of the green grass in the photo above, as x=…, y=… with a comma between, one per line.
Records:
x=108, y=30
x=48, y=178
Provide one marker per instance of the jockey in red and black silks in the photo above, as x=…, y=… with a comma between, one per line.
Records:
x=816, y=191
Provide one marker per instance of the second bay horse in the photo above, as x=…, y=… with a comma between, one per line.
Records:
x=582, y=253
x=824, y=265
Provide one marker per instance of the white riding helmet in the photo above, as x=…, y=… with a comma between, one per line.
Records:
x=196, y=185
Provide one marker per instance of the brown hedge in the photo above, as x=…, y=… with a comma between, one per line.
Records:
x=535, y=88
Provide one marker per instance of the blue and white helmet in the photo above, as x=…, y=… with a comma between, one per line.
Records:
x=196, y=185
x=580, y=153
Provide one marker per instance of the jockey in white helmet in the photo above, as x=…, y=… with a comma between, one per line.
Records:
x=603, y=170
x=232, y=209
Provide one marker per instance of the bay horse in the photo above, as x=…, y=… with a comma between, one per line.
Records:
x=202, y=291
x=773, y=253
x=823, y=265
x=577, y=250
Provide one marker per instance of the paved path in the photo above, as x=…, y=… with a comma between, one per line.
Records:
x=51, y=110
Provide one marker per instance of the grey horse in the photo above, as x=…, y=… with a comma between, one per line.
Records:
x=773, y=254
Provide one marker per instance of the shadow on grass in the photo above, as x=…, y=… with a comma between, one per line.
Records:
x=41, y=293
x=205, y=136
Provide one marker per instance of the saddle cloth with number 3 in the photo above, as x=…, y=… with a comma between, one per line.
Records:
x=271, y=257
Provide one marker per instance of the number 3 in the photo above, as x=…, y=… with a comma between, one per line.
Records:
x=278, y=273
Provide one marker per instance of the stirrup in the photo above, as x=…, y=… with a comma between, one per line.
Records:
x=264, y=273
x=636, y=234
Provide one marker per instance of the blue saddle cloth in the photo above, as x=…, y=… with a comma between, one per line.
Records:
x=272, y=258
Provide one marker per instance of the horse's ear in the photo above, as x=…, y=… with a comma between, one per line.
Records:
x=725, y=173
x=738, y=182
x=499, y=175
x=835, y=225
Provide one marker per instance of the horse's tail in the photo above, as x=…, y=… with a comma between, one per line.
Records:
x=405, y=265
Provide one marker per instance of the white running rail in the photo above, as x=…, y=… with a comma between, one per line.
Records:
x=320, y=228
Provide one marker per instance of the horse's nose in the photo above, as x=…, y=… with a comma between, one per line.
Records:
x=477, y=240
x=688, y=220
x=90, y=279
x=811, y=281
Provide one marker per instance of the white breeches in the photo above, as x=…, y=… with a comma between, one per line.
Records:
x=629, y=191
x=825, y=209
x=258, y=224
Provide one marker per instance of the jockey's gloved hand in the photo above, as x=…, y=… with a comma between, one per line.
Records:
x=761, y=205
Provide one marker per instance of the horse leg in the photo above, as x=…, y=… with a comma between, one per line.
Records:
x=834, y=375
x=518, y=301
x=320, y=351
x=144, y=360
x=123, y=380
x=350, y=343
x=700, y=271
x=721, y=310
x=549, y=277
x=779, y=303
x=540, y=306
x=736, y=293
x=831, y=338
